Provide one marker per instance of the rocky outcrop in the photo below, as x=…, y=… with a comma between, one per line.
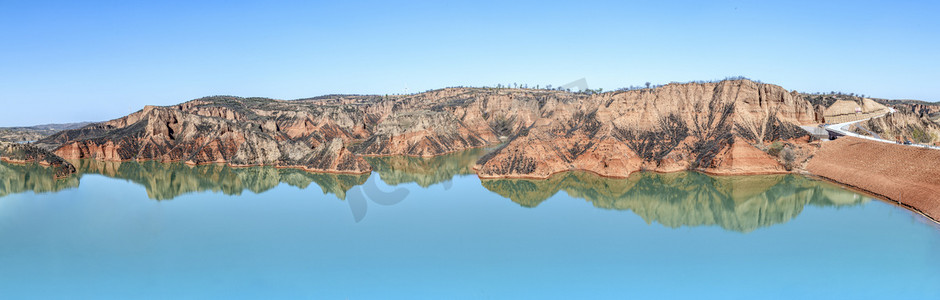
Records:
x=699, y=126
x=327, y=157
x=29, y=154
x=742, y=158
x=913, y=124
x=421, y=133
x=843, y=111
x=168, y=134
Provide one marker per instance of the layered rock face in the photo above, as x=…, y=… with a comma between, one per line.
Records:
x=325, y=134
x=909, y=123
x=29, y=154
x=421, y=133
x=701, y=126
x=709, y=127
x=203, y=135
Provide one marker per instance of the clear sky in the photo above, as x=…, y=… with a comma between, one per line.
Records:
x=97, y=60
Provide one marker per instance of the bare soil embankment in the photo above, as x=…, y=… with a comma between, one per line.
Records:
x=908, y=175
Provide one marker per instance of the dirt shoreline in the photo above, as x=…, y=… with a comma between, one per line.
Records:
x=876, y=196
x=908, y=176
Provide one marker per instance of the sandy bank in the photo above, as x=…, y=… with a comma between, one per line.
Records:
x=908, y=175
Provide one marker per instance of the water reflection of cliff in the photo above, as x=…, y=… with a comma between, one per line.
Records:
x=21, y=178
x=425, y=171
x=739, y=203
x=164, y=181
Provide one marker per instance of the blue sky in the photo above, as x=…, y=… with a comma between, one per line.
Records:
x=97, y=60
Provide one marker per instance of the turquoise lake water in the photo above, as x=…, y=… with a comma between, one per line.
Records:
x=429, y=228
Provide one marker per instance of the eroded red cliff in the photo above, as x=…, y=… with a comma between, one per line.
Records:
x=711, y=127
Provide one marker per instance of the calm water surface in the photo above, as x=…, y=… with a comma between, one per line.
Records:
x=428, y=228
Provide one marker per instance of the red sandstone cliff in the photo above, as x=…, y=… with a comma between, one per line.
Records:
x=708, y=127
x=27, y=154
x=702, y=126
x=170, y=134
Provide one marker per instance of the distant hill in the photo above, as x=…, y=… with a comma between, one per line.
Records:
x=37, y=132
x=55, y=127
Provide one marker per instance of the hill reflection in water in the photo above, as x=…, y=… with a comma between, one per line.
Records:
x=165, y=181
x=739, y=203
x=17, y=178
x=425, y=171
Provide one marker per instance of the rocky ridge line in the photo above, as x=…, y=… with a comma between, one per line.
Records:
x=714, y=127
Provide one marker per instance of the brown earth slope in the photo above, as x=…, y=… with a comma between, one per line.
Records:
x=901, y=173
